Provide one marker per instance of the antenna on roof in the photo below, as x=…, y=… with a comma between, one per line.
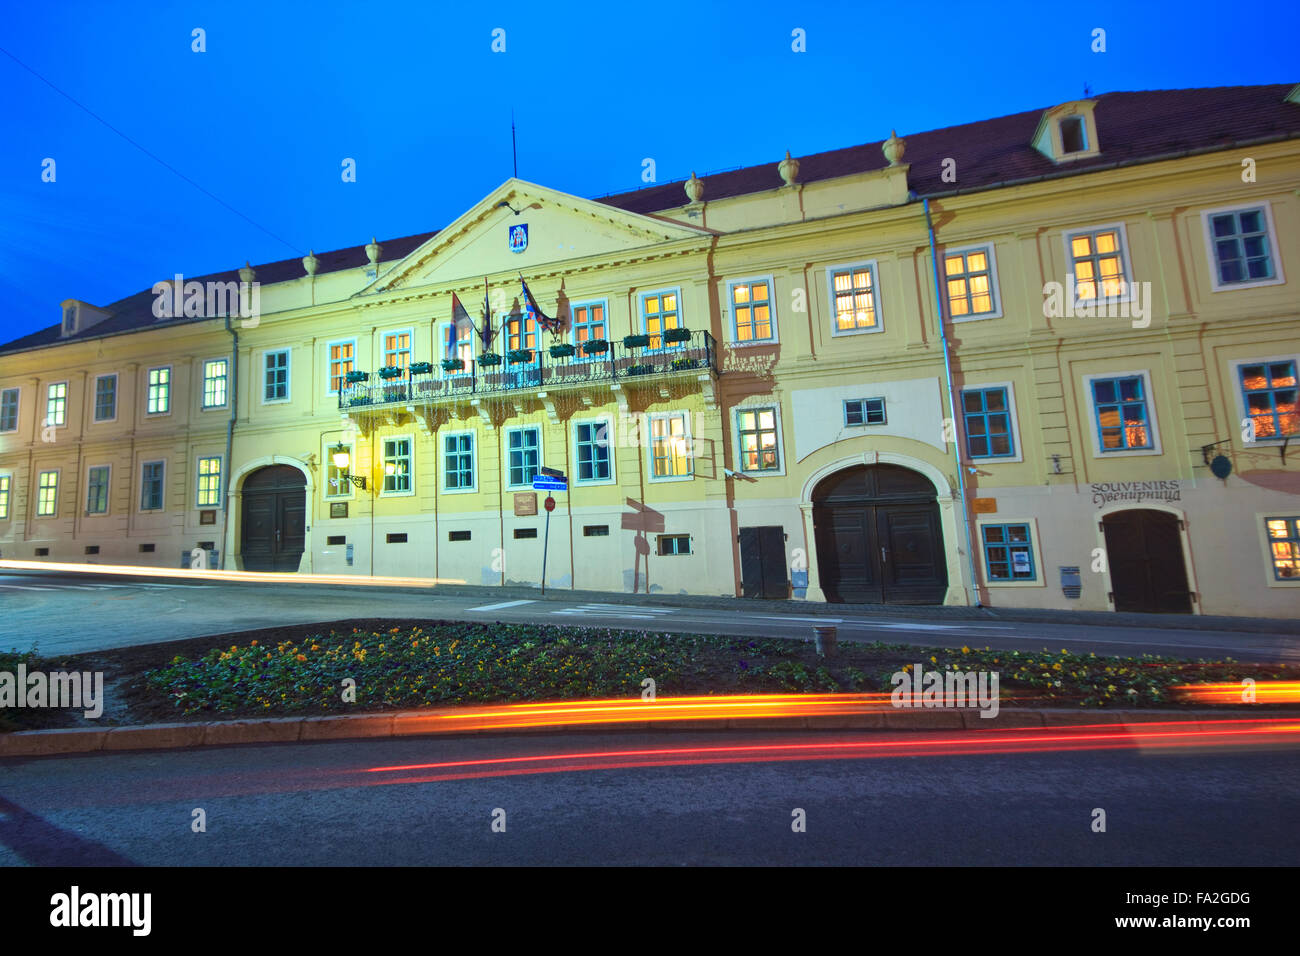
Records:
x=1087, y=91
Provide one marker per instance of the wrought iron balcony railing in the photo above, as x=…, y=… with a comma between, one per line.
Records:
x=692, y=356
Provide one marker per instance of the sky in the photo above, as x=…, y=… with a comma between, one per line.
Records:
x=199, y=161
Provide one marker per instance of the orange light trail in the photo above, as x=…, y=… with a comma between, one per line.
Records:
x=228, y=577
x=1265, y=692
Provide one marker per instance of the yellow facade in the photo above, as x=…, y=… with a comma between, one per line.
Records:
x=873, y=483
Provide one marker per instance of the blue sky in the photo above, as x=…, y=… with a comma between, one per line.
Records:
x=414, y=93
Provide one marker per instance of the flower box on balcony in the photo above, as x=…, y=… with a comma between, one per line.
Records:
x=677, y=335
x=390, y=371
x=640, y=369
x=595, y=346
x=636, y=341
x=489, y=358
x=682, y=364
x=421, y=368
x=453, y=365
x=519, y=355
x=395, y=393
x=359, y=400
x=563, y=350
x=354, y=377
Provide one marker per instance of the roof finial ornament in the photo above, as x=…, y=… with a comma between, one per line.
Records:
x=247, y=274
x=310, y=262
x=373, y=249
x=789, y=169
x=694, y=188
x=894, y=148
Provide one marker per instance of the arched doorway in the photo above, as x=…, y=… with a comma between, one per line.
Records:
x=274, y=503
x=878, y=537
x=1144, y=550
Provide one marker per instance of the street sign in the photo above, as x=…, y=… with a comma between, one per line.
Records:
x=550, y=484
x=550, y=503
x=552, y=473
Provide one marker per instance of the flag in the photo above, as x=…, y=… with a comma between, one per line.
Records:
x=545, y=321
x=486, y=333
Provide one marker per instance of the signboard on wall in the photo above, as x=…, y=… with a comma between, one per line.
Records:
x=984, y=506
x=525, y=503
x=1135, y=492
x=338, y=509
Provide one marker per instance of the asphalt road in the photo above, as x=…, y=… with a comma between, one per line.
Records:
x=64, y=613
x=326, y=804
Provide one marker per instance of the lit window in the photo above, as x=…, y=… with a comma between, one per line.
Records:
x=659, y=313
x=105, y=398
x=751, y=310
x=864, y=411
x=397, y=349
x=160, y=391
x=1269, y=391
x=1120, y=406
x=458, y=455
x=209, y=490
x=214, y=383
x=670, y=446
x=970, y=283
x=521, y=333
x=56, y=404
x=275, y=376
x=9, y=410
x=151, y=486
x=1284, y=547
x=854, y=293
x=342, y=361
x=588, y=324
x=988, y=423
x=1008, y=552
x=397, y=465
x=4, y=497
x=757, y=433
x=593, y=451
x=47, y=494
x=1241, y=246
x=1097, y=259
x=460, y=345
x=524, y=451
x=97, y=490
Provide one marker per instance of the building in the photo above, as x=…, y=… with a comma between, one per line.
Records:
x=1090, y=406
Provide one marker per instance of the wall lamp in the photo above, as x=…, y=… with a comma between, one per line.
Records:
x=342, y=459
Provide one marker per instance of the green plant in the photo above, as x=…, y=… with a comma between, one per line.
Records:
x=636, y=341
x=452, y=365
x=353, y=377
x=390, y=371
x=562, y=350
x=421, y=368
x=520, y=355
x=489, y=359
x=640, y=369
x=595, y=346
x=359, y=400
x=680, y=364
x=677, y=335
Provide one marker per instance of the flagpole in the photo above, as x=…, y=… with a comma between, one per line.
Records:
x=514, y=155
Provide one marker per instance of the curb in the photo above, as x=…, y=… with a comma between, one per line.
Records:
x=43, y=743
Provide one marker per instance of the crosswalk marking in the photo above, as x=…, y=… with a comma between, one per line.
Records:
x=792, y=617
x=501, y=606
x=624, y=612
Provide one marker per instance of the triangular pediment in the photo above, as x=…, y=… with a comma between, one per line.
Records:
x=559, y=227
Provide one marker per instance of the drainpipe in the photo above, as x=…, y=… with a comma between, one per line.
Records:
x=952, y=408
x=229, y=468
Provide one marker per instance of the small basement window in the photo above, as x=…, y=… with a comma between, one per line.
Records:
x=146, y=549
x=336, y=539
x=42, y=552
x=92, y=549
x=396, y=538
x=208, y=545
x=674, y=544
x=457, y=535
x=595, y=530
x=525, y=532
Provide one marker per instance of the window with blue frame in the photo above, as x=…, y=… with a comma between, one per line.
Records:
x=1284, y=547
x=524, y=445
x=987, y=414
x=1241, y=248
x=1120, y=407
x=864, y=411
x=593, y=451
x=458, y=459
x=1268, y=390
x=1009, y=552
x=588, y=325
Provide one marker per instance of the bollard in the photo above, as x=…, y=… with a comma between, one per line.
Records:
x=826, y=639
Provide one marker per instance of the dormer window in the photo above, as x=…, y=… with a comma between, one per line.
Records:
x=69, y=320
x=1074, y=134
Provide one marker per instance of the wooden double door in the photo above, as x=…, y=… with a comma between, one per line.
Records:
x=878, y=537
x=1144, y=550
x=274, y=501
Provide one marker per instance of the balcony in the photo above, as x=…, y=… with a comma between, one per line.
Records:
x=619, y=369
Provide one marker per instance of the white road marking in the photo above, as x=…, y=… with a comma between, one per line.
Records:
x=792, y=617
x=628, y=607
x=498, y=607
x=27, y=587
x=899, y=626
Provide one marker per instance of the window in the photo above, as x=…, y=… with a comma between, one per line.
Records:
x=670, y=446
x=659, y=312
x=751, y=310
x=459, y=344
x=160, y=391
x=972, y=290
x=209, y=490
x=397, y=466
x=151, y=486
x=275, y=376
x=1074, y=134
x=524, y=447
x=593, y=451
x=1284, y=547
x=398, y=537
x=864, y=411
x=1241, y=246
x=756, y=430
x=214, y=383
x=674, y=544
x=4, y=497
x=521, y=333
x=458, y=462
x=97, y=490
x=56, y=404
x=987, y=418
x=147, y=548
x=105, y=398
x=336, y=486
x=342, y=358
x=1268, y=390
x=47, y=494
x=458, y=535
x=1097, y=261
x=525, y=533
x=1120, y=407
x=1009, y=552
x=69, y=320
x=595, y=530
x=9, y=410
x=588, y=324
x=853, y=298
x=397, y=349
